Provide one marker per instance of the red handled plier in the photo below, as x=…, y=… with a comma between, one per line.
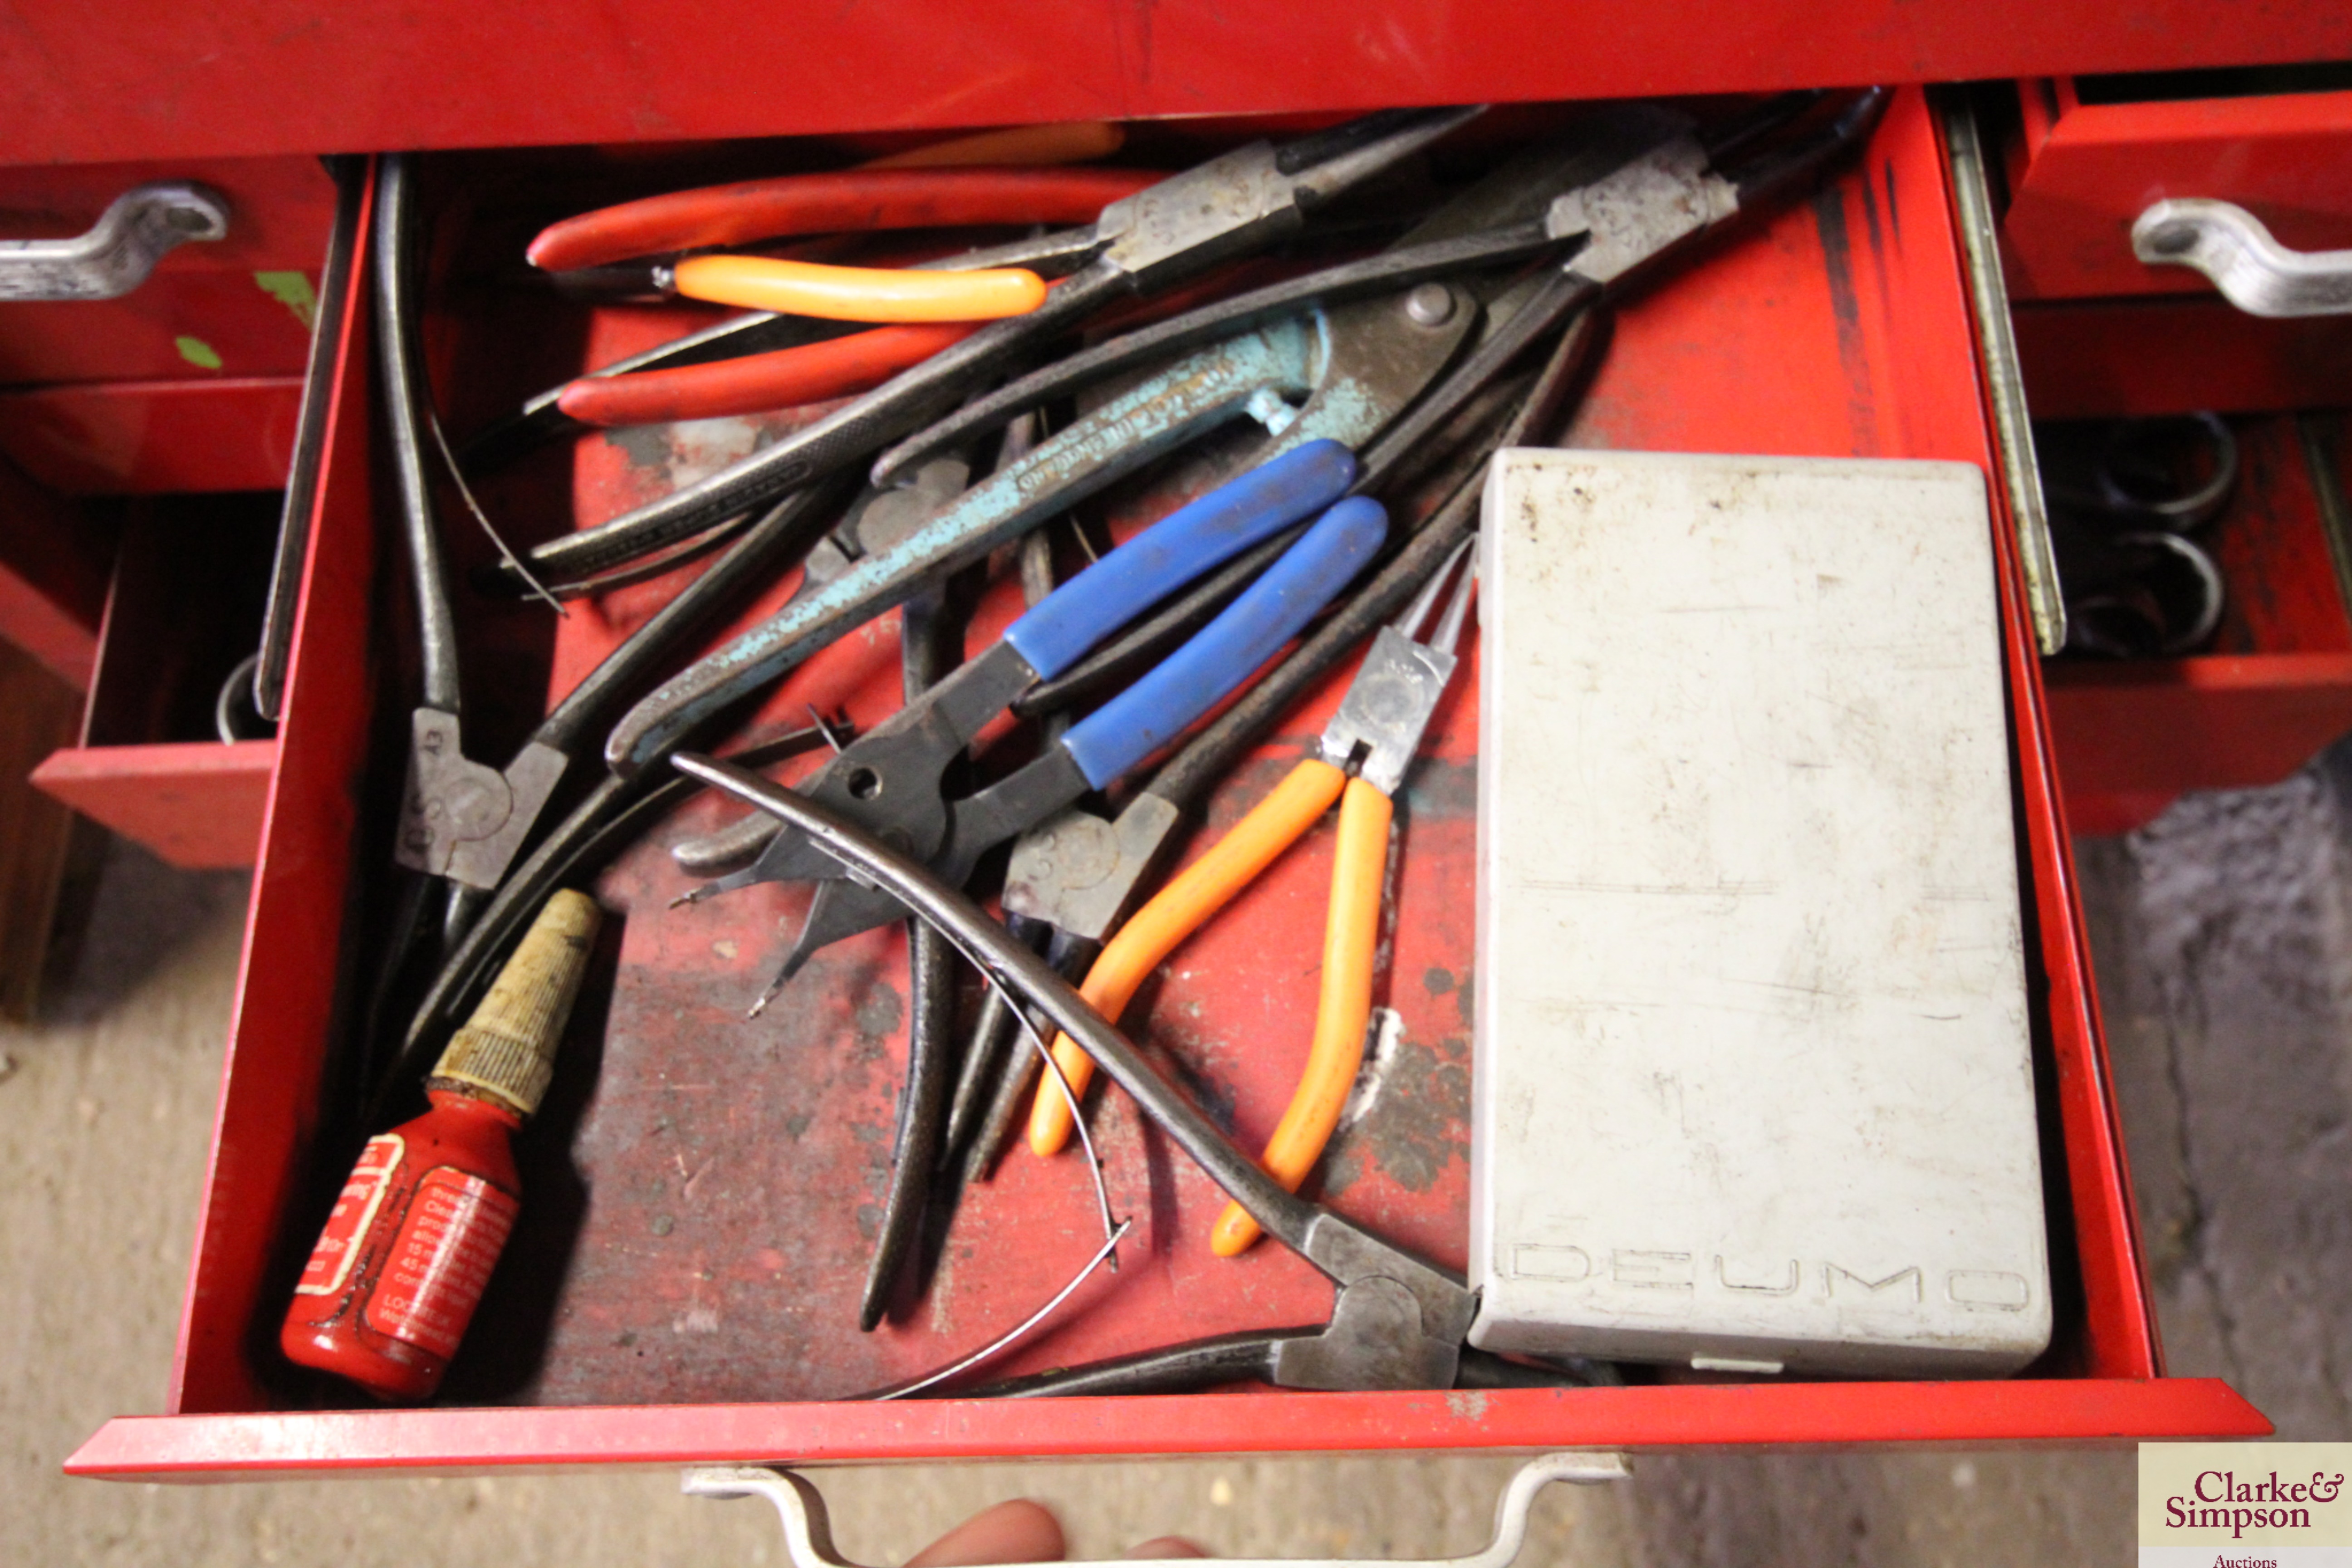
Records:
x=719, y=216
x=856, y=200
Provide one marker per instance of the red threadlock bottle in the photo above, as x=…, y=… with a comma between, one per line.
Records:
x=389, y=1290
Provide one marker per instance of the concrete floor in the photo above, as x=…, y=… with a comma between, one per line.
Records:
x=2224, y=937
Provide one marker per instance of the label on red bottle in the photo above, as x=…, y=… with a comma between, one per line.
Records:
x=354, y=1211
x=433, y=1275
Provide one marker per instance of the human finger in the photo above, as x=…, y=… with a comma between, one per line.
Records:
x=1018, y=1530
x=1164, y=1546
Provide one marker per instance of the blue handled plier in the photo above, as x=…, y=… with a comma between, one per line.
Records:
x=890, y=779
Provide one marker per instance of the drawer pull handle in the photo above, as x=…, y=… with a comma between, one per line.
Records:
x=121, y=249
x=808, y=1535
x=2253, y=270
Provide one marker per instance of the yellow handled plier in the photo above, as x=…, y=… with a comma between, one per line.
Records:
x=1365, y=749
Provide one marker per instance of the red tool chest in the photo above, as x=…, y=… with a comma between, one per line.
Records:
x=657, y=1324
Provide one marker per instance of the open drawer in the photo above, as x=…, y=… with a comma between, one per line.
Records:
x=682, y=1284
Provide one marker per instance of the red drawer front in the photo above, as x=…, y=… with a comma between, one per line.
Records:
x=195, y=805
x=723, y=1333
x=191, y=381
x=2124, y=358
x=2083, y=173
x=440, y=73
x=240, y=306
x=154, y=438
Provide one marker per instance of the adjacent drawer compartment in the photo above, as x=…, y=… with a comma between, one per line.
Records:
x=2272, y=688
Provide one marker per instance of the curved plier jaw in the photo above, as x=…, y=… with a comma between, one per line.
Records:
x=464, y=820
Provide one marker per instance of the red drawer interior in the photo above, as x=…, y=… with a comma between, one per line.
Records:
x=682, y=1283
x=183, y=606
x=2275, y=685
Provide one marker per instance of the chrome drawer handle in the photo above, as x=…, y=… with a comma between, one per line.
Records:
x=121, y=249
x=808, y=1535
x=2253, y=271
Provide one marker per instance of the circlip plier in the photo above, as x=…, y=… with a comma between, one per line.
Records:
x=614, y=395
x=1351, y=367
x=1230, y=207
x=1396, y=1322
x=1365, y=749
x=1641, y=214
x=1342, y=373
x=1625, y=186
x=1078, y=873
x=1393, y=326
x=462, y=820
x=458, y=819
x=1641, y=182
x=715, y=218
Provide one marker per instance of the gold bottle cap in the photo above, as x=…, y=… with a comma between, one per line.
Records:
x=506, y=1052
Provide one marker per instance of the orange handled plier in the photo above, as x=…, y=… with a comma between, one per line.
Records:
x=1365, y=751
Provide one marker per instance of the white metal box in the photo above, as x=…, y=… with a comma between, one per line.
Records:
x=1753, y=1079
